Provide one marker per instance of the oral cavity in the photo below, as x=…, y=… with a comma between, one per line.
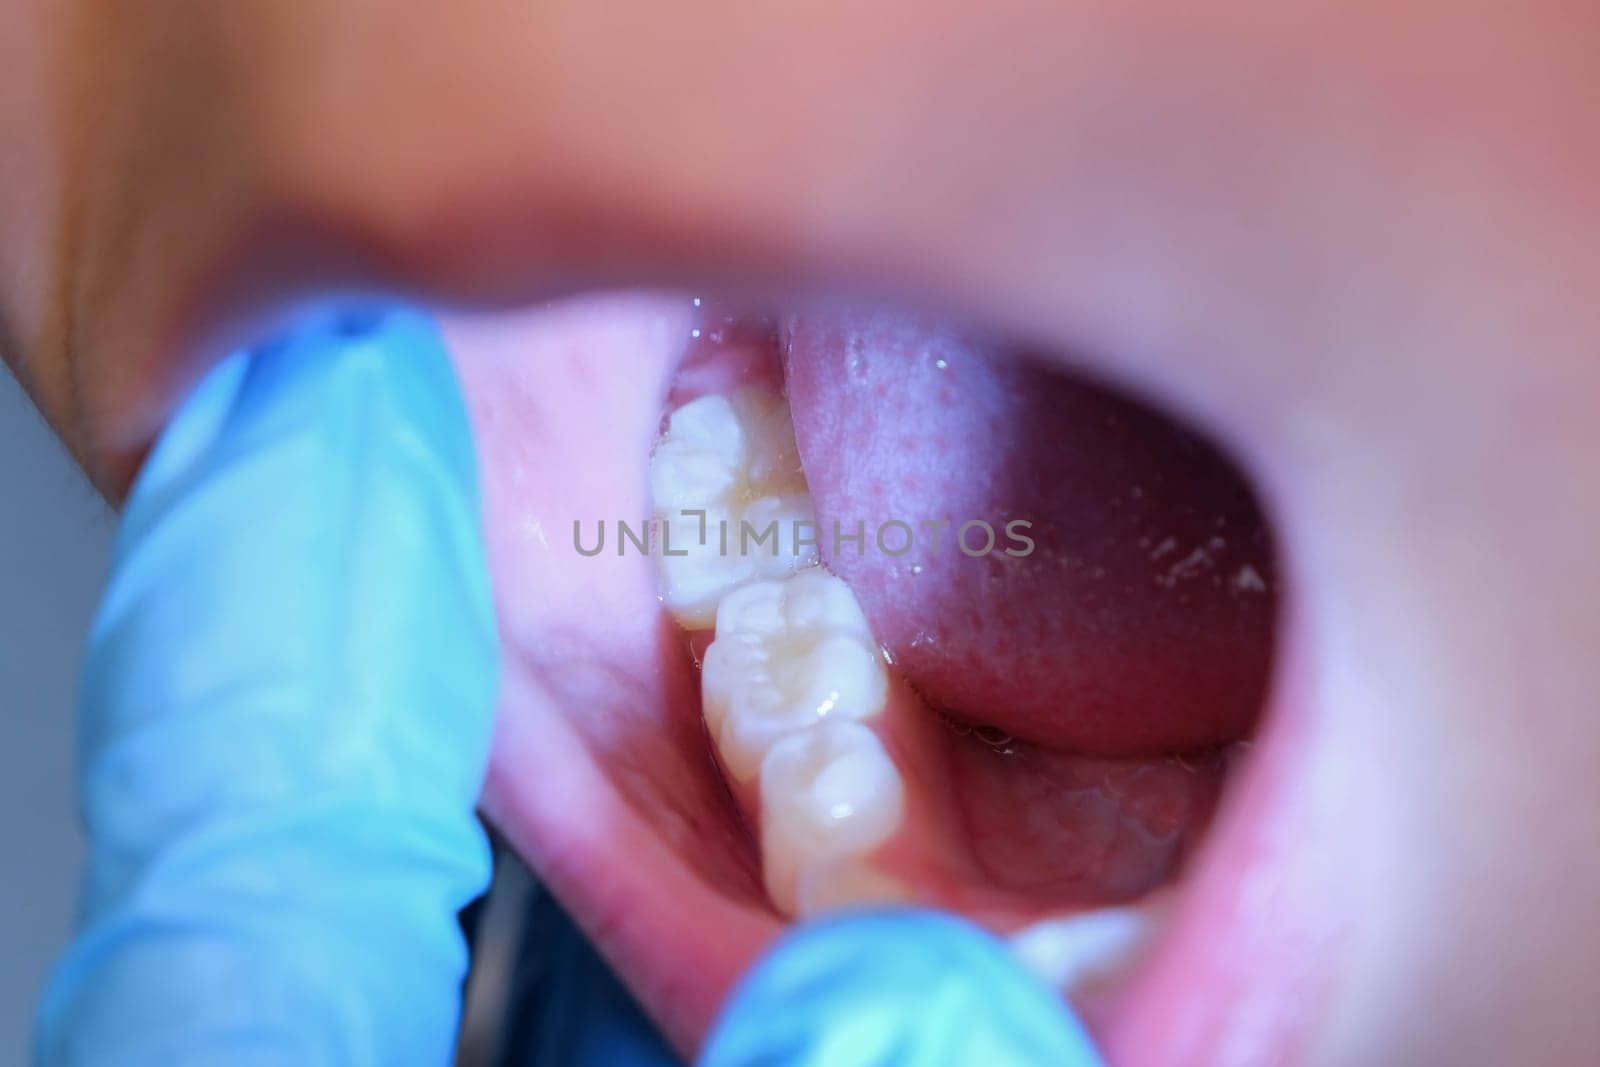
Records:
x=831, y=758
x=1050, y=842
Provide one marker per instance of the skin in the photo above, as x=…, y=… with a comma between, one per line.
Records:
x=1358, y=244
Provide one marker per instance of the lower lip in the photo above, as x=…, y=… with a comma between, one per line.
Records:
x=1243, y=970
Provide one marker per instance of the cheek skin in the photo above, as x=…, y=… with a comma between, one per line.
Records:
x=27, y=176
x=1117, y=182
x=1349, y=246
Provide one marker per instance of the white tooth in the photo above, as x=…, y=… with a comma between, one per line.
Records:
x=710, y=423
x=787, y=654
x=838, y=672
x=686, y=476
x=773, y=457
x=734, y=458
x=816, y=600
x=827, y=793
x=756, y=610
x=770, y=539
x=1077, y=953
x=774, y=692
x=846, y=884
x=699, y=457
x=692, y=584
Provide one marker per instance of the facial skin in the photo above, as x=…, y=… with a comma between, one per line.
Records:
x=1357, y=244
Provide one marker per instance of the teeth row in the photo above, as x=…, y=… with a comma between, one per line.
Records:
x=730, y=499
x=792, y=671
x=788, y=681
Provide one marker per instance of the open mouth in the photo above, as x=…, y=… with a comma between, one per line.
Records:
x=819, y=608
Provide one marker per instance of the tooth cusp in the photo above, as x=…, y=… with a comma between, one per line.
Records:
x=787, y=654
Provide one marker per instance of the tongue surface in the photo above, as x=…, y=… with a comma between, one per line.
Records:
x=1131, y=614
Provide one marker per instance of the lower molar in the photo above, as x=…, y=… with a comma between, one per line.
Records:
x=847, y=883
x=730, y=499
x=830, y=795
x=786, y=656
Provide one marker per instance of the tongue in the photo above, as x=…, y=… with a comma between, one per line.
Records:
x=1126, y=609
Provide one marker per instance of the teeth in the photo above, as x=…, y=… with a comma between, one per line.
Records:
x=735, y=459
x=828, y=793
x=699, y=457
x=787, y=654
x=793, y=667
x=845, y=884
x=1076, y=954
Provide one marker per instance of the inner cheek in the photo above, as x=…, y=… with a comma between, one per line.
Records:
x=564, y=402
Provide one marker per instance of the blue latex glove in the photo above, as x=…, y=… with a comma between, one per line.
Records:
x=897, y=989
x=286, y=717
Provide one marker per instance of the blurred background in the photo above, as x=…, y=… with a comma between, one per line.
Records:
x=55, y=547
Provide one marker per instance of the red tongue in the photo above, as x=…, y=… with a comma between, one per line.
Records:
x=1141, y=621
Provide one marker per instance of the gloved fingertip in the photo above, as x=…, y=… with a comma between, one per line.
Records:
x=894, y=987
x=394, y=344
x=287, y=706
x=192, y=430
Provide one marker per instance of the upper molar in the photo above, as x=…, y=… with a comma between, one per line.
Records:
x=787, y=654
x=733, y=459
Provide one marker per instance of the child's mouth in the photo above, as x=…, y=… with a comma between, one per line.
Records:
x=965, y=633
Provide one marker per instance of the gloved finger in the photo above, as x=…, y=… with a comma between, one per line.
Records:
x=286, y=716
x=902, y=988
